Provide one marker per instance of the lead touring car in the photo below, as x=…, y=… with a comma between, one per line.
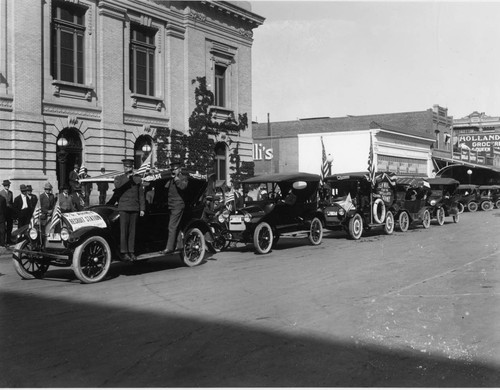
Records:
x=88, y=241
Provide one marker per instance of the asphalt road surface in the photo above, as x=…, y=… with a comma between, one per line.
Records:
x=415, y=309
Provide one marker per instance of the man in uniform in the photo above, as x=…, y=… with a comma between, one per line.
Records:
x=9, y=215
x=175, y=187
x=131, y=204
x=22, y=207
x=47, y=203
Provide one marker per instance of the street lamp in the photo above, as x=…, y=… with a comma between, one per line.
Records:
x=62, y=142
x=469, y=172
x=62, y=156
x=146, y=148
x=329, y=160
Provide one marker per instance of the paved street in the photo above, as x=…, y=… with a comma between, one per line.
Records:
x=416, y=309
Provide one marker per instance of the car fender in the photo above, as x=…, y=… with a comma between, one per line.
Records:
x=82, y=234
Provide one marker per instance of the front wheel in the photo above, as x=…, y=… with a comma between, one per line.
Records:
x=92, y=259
x=440, y=216
x=193, y=251
x=219, y=242
x=26, y=265
x=460, y=207
x=426, y=219
x=404, y=221
x=356, y=227
x=486, y=206
x=472, y=207
x=263, y=238
x=389, y=223
x=456, y=218
x=497, y=204
x=316, y=232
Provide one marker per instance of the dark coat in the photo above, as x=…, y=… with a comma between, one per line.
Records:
x=47, y=203
x=67, y=204
x=73, y=180
x=3, y=209
x=176, y=187
x=18, y=206
x=131, y=194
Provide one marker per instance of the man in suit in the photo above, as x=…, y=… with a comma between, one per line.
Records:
x=47, y=204
x=73, y=177
x=86, y=187
x=3, y=213
x=33, y=199
x=9, y=215
x=176, y=186
x=77, y=199
x=22, y=207
x=131, y=204
x=66, y=202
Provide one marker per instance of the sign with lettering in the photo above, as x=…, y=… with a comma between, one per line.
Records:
x=260, y=152
x=480, y=142
x=81, y=219
x=384, y=189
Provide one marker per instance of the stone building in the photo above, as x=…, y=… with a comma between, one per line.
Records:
x=89, y=82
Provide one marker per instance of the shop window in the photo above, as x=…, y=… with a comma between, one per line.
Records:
x=142, y=60
x=68, y=40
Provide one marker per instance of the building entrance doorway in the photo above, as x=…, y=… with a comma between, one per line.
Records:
x=69, y=152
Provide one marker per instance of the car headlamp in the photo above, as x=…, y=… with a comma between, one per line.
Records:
x=33, y=233
x=247, y=217
x=221, y=218
x=341, y=211
x=64, y=234
x=433, y=202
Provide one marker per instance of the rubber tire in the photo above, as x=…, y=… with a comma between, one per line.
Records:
x=316, y=231
x=389, y=223
x=487, y=206
x=456, y=218
x=497, y=204
x=461, y=208
x=472, y=207
x=355, y=227
x=263, y=235
x=426, y=219
x=404, y=221
x=440, y=214
x=220, y=242
x=375, y=207
x=194, y=244
x=37, y=270
x=80, y=270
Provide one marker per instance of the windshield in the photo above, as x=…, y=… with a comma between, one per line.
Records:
x=339, y=190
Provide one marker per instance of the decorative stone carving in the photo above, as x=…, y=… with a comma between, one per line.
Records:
x=72, y=120
x=197, y=16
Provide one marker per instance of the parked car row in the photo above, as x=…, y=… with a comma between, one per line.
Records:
x=474, y=197
x=273, y=206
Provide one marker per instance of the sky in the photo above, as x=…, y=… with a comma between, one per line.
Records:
x=333, y=58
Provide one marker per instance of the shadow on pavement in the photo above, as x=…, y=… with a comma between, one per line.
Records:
x=65, y=343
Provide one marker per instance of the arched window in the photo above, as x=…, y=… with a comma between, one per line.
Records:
x=220, y=161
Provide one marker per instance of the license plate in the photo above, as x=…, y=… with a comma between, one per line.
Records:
x=331, y=214
x=236, y=219
x=54, y=237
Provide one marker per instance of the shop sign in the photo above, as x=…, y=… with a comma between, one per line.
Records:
x=480, y=142
x=260, y=152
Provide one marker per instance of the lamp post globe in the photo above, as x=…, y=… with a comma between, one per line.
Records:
x=469, y=173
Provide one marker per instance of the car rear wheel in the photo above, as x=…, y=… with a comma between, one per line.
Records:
x=356, y=227
x=472, y=207
x=193, y=251
x=316, y=231
x=460, y=207
x=26, y=265
x=263, y=238
x=389, y=223
x=440, y=216
x=426, y=219
x=486, y=206
x=404, y=221
x=92, y=259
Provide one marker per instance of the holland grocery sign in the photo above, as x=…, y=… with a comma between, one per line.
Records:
x=480, y=142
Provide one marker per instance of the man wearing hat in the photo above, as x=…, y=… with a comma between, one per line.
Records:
x=73, y=177
x=175, y=187
x=22, y=207
x=131, y=204
x=9, y=215
x=86, y=187
x=33, y=199
x=47, y=203
x=102, y=187
x=66, y=201
x=77, y=199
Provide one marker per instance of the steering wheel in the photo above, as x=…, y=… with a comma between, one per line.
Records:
x=272, y=195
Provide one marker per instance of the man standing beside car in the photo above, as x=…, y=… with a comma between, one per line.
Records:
x=131, y=204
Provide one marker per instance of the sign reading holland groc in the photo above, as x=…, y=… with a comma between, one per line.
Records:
x=83, y=219
x=481, y=142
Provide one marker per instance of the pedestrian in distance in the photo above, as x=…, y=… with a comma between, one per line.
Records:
x=73, y=177
x=22, y=207
x=103, y=188
x=175, y=188
x=3, y=220
x=9, y=216
x=47, y=204
x=131, y=205
x=86, y=187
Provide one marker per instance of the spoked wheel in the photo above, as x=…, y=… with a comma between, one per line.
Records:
x=219, y=242
x=486, y=206
x=92, y=259
x=193, y=251
x=440, y=216
x=460, y=207
x=472, y=207
x=356, y=227
x=316, y=231
x=426, y=219
x=263, y=238
x=404, y=221
x=389, y=223
x=28, y=266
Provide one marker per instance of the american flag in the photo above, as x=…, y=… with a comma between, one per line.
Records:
x=371, y=164
x=324, y=164
x=56, y=216
x=35, y=218
x=146, y=165
x=81, y=172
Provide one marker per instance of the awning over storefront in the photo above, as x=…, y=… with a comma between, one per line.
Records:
x=466, y=172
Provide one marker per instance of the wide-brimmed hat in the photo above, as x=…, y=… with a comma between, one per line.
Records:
x=6, y=183
x=47, y=186
x=23, y=187
x=128, y=162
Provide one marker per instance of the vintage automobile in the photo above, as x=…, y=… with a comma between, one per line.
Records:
x=283, y=204
x=489, y=197
x=355, y=205
x=468, y=197
x=88, y=241
x=411, y=202
x=443, y=200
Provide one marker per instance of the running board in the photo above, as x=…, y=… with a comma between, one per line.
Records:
x=151, y=255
